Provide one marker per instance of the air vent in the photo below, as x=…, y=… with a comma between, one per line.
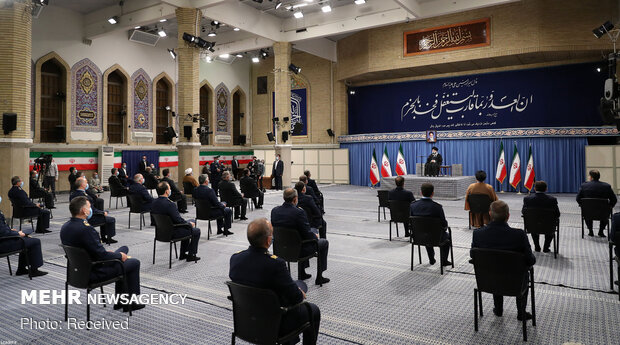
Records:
x=143, y=37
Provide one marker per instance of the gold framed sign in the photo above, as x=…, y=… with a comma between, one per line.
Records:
x=472, y=34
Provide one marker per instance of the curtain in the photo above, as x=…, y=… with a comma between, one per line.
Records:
x=558, y=161
x=132, y=158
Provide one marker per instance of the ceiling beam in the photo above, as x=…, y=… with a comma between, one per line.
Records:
x=247, y=18
x=244, y=45
x=321, y=47
x=411, y=6
x=443, y=7
x=128, y=21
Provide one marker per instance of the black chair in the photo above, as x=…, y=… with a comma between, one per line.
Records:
x=503, y=273
x=611, y=264
x=257, y=314
x=23, y=249
x=618, y=265
x=595, y=209
x=20, y=213
x=188, y=190
x=287, y=244
x=115, y=193
x=150, y=183
x=399, y=213
x=478, y=203
x=79, y=267
x=164, y=231
x=203, y=212
x=309, y=215
x=538, y=222
x=383, y=202
x=135, y=206
x=427, y=231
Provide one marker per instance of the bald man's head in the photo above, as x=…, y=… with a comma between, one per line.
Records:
x=259, y=231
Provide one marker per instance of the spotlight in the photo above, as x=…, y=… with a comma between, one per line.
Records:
x=172, y=54
x=275, y=119
x=278, y=4
x=263, y=53
x=168, y=108
x=209, y=59
x=351, y=92
x=326, y=8
x=298, y=14
x=285, y=119
x=239, y=55
x=270, y=136
x=162, y=20
x=603, y=29
x=212, y=33
x=255, y=59
x=113, y=20
x=225, y=56
x=161, y=33
x=598, y=69
x=43, y=2
x=236, y=29
x=211, y=48
x=294, y=69
x=189, y=38
x=137, y=27
x=360, y=2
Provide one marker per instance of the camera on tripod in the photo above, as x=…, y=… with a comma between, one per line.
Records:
x=42, y=164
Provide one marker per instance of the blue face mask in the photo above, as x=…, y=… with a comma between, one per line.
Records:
x=86, y=186
x=21, y=184
x=0, y=199
x=36, y=175
x=90, y=215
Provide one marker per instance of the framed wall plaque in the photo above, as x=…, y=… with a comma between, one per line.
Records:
x=472, y=34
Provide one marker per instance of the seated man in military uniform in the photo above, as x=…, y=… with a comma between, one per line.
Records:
x=20, y=199
x=176, y=195
x=77, y=232
x=35, y=258
x=163, y=205
x=137, y=188
x=99, y=217
x=218, y=209
x=37, y=192
x=256, y=267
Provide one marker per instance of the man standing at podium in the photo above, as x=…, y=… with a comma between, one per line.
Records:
x=433, y=163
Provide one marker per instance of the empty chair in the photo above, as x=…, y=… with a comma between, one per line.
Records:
x=537, y=221
x=594, y=209
x=383, y=202
x=399, y=213
x=503, y=273
x=79, y=267
x=23, y=249
x=164, y=232
x=135, y=206
x=287, y=244
x=257, y=314
x=427, y=231
x=204, y=212
x=478, y=204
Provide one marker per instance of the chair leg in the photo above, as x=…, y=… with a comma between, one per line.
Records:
x=20, y=224
x=533, y=299
x=110, y=201
x=475, y=309
x=412, y=256
x=384, y=218
x=208, y=232
x=582, y=234
x=440, y=265
x=129, y=221
x=233, y=338
x=170, y=257
x=289, y=267
x=390, y=230
x=176, y=254
x=66, y=299
x=480, y=303
x=420, y=255
x=9, y=261
x=31, y=224
x=154, y=245
x=87, y=306
x=397, y=235
x=141, y=220
x=102, y=294
x=611, y=267
x=451, y=253
x=379, y=214
x=522, y=308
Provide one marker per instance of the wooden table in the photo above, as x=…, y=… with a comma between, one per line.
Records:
x=445, y=168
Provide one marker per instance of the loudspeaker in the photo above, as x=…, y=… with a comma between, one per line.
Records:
x=261, y=85
x=270, y=136
x=241, y=115
x=298, y=128
x=330, y=132
x=169, y=133
x=242, y=139
x=284, y=136
x=187, y=132
x=9, y=122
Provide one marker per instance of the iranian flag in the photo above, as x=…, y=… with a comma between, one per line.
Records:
x=529, y=173
x=386, y=169
x=500, y=174
x=515, y=169
x=401, y=167
x=374, y=169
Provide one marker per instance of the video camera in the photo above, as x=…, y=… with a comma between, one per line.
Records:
x=42, y=164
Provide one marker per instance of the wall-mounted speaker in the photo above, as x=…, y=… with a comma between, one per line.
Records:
x=9, y=122
x=298, y=128
x=330, y=132
x=270, y=136
x=187, y=132
x=169, y=133
x=284, y=136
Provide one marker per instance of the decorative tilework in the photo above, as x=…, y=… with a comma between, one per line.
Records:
x=222, y=100
x=86, y=101
x=142, y=98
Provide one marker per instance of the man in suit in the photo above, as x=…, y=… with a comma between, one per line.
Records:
x=479, y=219
x=216, y=174
x=541, y=200
x=315, y=217
x=252, y=167
x=290, y=216
x=72, y=177
x=99, y=216
x=116, y=184
x=312, y=184
x=498, y=235
x=176, y=195
x=614, y=233
x=426, y=207
x=401, y=194
x=256, y=267
x=37, y=192
x=123, y=174
x=137, y=188
x=51, y=177
x=310, y=191
x=234, y=164
x=35, y=258
x=250, y=190
x=203, y=192
x=433, y=163
x=277, y=171
x=597, y=189
x=95, y=200
x=260, y=171
x=150, y=180
x=143, y=165
x=232, y=197
x=20, y=199
x=77, y=232
x=164, y=206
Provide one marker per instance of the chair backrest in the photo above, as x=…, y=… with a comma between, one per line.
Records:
x=286, y=243
x=79, y=265
x=18, y=212
x=308, y=212
x=595, y=208
x=539, y=221
x=188, y=188
x=150, y=183
x=479, y=203
x=256, y=313
x=426, y=231
x=203, y=209
x=164, y=228
x=400, y=211
x=135, y=203
x=114, y=190
x=500, y=272
x=383, y=198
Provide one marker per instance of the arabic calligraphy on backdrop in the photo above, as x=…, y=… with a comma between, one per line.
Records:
x=560, y=96
x=471, y=34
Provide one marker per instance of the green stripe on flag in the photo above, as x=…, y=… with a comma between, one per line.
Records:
x=168, y=153
x=118, y=154
x=227, y=153
x=36, y=154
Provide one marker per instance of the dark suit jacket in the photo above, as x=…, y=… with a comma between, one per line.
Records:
x=278, y=168
x=72, y=178
x=138, y=189
x=115, y=183
x=541, y=200
x=614, y=232
x=150, y=180
x=5, y=231
x=203, y=192
x=142, y=166
x=35, y=187
x=310, y=192
x=163, y=205
x=173, y=188
x=122, y=173
x=79, y=192
x=249, y=187
x=229, y=193
x=401, y=194
x=597, y=189
x=312, y=183
x=426, y=207
x=306, y=202
x=234, y=164
x=289, y=216
x=500, y=236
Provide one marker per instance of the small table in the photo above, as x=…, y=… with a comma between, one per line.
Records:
x=445, y=168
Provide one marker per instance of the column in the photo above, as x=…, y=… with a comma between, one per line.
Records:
x=15, y=94
x=188, y=59
x=282, y=86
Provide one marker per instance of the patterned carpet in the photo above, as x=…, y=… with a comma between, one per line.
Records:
x=373, y=297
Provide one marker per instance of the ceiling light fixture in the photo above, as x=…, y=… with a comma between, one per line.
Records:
x=278, y=4
x=360, y=2
x=212, y=33
x=224, y=56
x=294, y=69
x=236, y=29
x=161, y=33
x=255, y=59
x=137, y=27
x=298, y=14
x=163, y=20
x=239, y=55
x=172, y=54
x=209, y=59
x=326, y=8
x=113, y=20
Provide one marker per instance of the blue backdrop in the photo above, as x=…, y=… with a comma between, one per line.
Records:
x=133, y=158
x=558, y=161
x=561, y=96
x=299, y=110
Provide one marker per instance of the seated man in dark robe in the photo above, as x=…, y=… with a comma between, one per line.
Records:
x=433, y=163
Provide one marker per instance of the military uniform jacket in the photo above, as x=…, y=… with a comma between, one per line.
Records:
x=216, y=175
x=165, y=206
x=138, y=189
x=79, y=192
x=5, y=231
x=19, y=197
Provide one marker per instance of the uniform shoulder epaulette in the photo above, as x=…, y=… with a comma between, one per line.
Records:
x=86, y=223
x=239, y=252
x=273, y=256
